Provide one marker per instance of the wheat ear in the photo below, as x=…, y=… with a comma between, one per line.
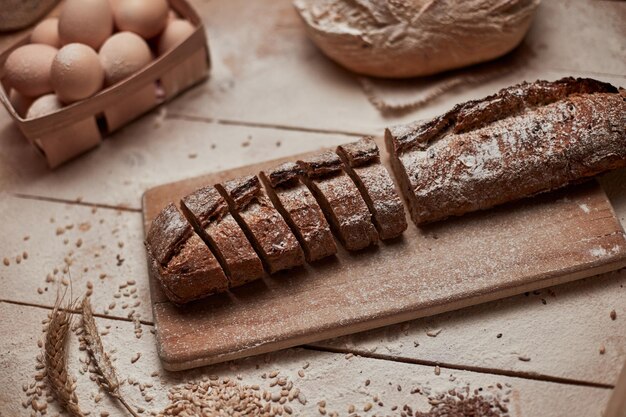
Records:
x=105, y=371
x=61, y=384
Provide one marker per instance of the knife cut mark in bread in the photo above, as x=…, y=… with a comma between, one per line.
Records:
x=524, y=140
x=340, y=200
x=208, y=212
x=362, y=162
x=268, y=232
x=300, y=210
x=186, y=267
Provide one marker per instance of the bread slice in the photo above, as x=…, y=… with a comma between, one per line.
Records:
x=362, y=162
x=269, y=234
x=524, y=140
x=340, y=200
x=208, y=212
x=300, y=210
x=184, y=265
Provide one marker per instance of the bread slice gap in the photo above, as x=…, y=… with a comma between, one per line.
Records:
x=266, y=229
x=340, y=200
x=211, y=218
x=184, y=265
x=362, y=163
x=300, y=210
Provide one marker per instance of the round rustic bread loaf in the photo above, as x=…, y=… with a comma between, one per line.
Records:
x=408, y=38
x=17, y=14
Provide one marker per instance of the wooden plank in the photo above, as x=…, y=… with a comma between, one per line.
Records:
x=152, y=151
x=616, y=406
x=461, y=262
x=343, y=378
x=273, y=59
x=101, y=248
x=561, y=330
x=468, y=336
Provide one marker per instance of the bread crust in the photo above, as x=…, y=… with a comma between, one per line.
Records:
x=268, y=232
x=362, y=162
x=184, y=265
x=209, y=213
x=410, y=38
x=300, y=210
x=524, y=140
x=340, y=200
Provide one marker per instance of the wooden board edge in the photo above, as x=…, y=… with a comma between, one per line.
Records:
x=170, y=364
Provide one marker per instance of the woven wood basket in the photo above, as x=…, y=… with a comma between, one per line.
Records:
x=81, y=126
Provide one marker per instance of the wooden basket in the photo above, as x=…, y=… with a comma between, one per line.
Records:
x=67, y=133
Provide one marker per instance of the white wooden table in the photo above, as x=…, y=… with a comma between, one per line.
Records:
x=272, y=94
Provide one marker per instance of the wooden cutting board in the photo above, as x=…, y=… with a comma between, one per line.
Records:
x=519, y=247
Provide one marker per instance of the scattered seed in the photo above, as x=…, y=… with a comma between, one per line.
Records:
x=135, y=357
x=523, y=358
x=6, y=262
x=367, y=407
x=367, y=382
x=613, y=314
x=433, y=333
x=301, y=373
x=437, y=370
x=602, y=350
x=351, y=409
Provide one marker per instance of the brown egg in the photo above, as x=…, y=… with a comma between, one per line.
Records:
x=47, y=32
x=20, y=102
x=122, y=55
x=27, y=69
x=147, y=18
x=172, y=15
x=44, y=105
x=76, y=73
x=86, y=21
x=175, y=32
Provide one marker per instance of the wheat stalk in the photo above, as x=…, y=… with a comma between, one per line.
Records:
x=105, y=371
x=61, y=384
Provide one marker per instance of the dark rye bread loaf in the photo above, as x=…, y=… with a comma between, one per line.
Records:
x=362, y=162
x=299, y=208
x=526, y=139
x=185, y=266
x=340, y=200
x=270, y=235
x=208, y=212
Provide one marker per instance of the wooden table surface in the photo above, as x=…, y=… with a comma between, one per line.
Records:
x=272, y=94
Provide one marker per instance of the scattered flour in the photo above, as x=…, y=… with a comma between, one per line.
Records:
x=600, y=252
